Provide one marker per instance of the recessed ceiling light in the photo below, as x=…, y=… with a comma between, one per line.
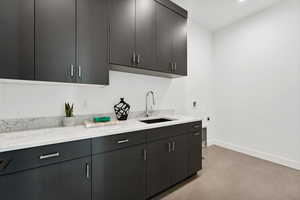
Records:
x=242, y=0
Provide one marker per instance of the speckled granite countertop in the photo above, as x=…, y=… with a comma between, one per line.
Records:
x=34, y=138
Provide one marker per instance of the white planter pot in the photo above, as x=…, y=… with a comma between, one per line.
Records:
x=69, y=121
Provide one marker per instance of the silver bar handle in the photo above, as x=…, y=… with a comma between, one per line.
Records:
x=171, y=66
x=145, y=154
x=123, y=141
x=169, y=145
x=138, y=59
x=173, y=144
x=175, y=66
x=87, y=170
x=72, y=70
x=79, y=71
x=197, y=134
x=197, y=126
x=42, y=157
x=134, y=58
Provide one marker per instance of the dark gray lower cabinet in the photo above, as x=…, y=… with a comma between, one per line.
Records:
x=129, y=166
x=195, y=152
x=120, y=174
x=63, y=181
x=158, y=166
x=167, y=163
x=178, y=159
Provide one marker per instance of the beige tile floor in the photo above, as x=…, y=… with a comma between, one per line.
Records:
x=229, y=175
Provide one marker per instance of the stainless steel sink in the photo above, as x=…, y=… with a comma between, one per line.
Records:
x=157, y=120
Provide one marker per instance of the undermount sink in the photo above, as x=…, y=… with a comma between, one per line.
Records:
x=157, y=120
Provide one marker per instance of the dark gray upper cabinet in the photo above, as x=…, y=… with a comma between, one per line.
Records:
x=92, y=42
x=179, y=45
x=171, y=41
x=120, y=174
x=122, y=32
x=63, y=181
x=55, y=40
x=17, y=39
x=146, y=34
x=67, y=54
x=132, y=33
x=149, y=37
x=165, y=27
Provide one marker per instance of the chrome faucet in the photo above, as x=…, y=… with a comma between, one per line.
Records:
x=147, y=102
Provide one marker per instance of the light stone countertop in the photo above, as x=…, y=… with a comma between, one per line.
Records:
x=34, y=138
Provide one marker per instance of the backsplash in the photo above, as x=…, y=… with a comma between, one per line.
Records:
x=12, y=125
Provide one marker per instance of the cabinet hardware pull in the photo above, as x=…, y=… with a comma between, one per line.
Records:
x=169, y=145
x=173, y=143
x=42, y=157
x=79, y=71
x=145, y=154
x=134, y=58
x=138, y=58
x=197, y=134
x=197, y=126
x=175, y=66
x=123, y=141
x=72, y=70
x=171, y=66
x=87, y=170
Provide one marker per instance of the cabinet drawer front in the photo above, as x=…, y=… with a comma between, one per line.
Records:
x=195, y=126
x=171, y=131
x=110, y=143
x=14, y=161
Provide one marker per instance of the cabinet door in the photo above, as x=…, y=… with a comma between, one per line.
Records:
x=179, y=159
x=195, y=152
x=122, y=31
x=55, y=40
x=17, y=39
x=64, y=181
x=92, y=36
x=179, y=44
x=120, y=174
x=164, y=21
x=158, y=166
x=145, y=34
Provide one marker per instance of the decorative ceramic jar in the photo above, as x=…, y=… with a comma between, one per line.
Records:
x=122, y=110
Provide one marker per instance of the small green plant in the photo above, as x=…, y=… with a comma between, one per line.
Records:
x=69, y=109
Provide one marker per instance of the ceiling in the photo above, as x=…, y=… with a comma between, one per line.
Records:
x=214, y=14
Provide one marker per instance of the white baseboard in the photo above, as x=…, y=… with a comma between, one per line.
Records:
x=258, y=154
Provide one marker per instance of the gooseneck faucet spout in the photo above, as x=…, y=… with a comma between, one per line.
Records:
x=147, y=102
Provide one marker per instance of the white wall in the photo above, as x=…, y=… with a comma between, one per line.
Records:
x=30, y=99
x=257, y=84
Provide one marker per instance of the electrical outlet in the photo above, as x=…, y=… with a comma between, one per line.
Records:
x=194, y=104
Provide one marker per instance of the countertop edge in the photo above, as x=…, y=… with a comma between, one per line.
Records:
x=65, y=134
